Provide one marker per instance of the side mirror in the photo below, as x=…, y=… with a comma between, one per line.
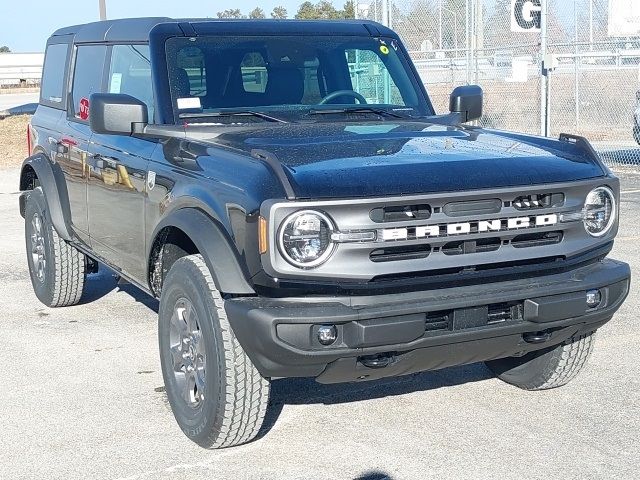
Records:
x=117, y=114
x=467, y=101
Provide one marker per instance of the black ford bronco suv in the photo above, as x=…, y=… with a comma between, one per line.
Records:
x=288, y=192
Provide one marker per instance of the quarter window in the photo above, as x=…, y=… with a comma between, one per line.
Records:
x=55, y=62
x=87, y=78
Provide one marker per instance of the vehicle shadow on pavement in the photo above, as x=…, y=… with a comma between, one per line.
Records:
x=375, y=475
x=98, y=285
x=304, y=391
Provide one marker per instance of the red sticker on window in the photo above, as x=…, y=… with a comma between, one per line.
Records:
x=84, y=108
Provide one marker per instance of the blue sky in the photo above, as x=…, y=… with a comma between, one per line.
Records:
x=25, y=25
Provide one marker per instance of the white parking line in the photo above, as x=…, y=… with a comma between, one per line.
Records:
x=630, y=191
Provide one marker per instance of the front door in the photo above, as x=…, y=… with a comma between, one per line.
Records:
x=119, y=181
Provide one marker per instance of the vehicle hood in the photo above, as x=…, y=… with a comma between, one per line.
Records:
x=339, y=160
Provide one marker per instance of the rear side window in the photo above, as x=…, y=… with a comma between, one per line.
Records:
x=254, y=72
x=87, y=78
x=130, y=73
x=55, y=62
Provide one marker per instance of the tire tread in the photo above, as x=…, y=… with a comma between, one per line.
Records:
x=244, y=393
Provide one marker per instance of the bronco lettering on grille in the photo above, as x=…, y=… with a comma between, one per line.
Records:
x=466, y=228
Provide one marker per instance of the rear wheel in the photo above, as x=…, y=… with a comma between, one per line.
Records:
x=217, y=395
x=545, y=369
x=57, y=269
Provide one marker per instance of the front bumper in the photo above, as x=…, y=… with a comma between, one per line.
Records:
x=388, y=335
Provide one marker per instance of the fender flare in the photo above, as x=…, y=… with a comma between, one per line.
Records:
x=54, y=187
x=213, y=244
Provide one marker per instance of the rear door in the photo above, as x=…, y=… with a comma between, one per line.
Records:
x=118, y=183
x=87, y=78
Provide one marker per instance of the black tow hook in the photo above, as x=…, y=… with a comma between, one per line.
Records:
x=536, y=337
x=377, y=361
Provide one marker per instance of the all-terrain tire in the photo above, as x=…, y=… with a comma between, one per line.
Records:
x=58, y=279
x=545, y=369
x=235, y=395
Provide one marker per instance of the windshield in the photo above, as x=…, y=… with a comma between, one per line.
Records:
x=289, y=75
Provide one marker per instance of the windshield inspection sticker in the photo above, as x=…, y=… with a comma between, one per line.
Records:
x=384, y=49
x=116, y=83
x=188, y=103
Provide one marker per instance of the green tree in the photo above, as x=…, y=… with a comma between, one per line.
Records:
x=257, y=13
x=279, y=12
x=306, y=11
x=349, y=9
x=231, y=13
x=5, y=49
x=324, y=10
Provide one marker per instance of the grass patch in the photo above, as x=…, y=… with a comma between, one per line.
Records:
x=13, y=141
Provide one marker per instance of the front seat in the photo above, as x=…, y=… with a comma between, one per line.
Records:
x=181, y=87
x=285, y=85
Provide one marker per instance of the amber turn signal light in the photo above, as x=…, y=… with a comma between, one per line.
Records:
x=262, y=235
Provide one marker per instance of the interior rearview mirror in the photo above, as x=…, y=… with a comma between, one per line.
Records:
x=467, y=101
x=117, y=114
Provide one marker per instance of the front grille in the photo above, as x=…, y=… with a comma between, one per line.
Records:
x=455, y=235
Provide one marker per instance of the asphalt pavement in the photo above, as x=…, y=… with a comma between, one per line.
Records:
x=81, y=397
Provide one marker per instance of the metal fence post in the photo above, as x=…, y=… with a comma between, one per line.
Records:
x=576, y=65
x=544, y=85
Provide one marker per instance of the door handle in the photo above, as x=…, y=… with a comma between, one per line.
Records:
x=58, y=146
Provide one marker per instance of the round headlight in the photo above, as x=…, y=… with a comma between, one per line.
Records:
x=599, y=211
x=305, y=238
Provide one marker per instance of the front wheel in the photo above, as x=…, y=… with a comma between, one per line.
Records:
x=217, y=395
x=545, y=369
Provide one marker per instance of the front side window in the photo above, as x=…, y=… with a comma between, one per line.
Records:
x=130, y=73
x=370, y=76
x=52, y=85
x=87, y=78
x=288, y=74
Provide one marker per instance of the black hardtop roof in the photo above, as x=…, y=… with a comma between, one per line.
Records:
x=138, y=29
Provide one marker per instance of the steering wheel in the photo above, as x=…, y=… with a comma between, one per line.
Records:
x=340, y=93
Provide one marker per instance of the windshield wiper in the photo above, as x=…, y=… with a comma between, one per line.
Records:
x=232, y=113
x=360, y=109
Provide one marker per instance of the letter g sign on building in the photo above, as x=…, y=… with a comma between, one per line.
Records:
x=525, y=15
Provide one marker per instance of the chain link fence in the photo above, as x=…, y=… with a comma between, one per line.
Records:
x=592, y=91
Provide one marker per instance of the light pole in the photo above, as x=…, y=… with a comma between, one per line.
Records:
x=103, y=9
